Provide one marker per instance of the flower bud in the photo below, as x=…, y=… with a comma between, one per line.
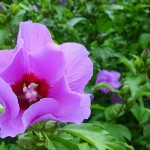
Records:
x=50, y=126
x=26, y=142
x=144, y=79
x=148, y=62
x=145, y=54
x=126, y=89
x=15, y=8
x=1, y=6
x=3, y=18
x=113, y=113
x=139, y=64
x=130, y=102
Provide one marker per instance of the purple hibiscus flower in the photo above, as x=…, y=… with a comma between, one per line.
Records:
x=40, y=80
x=109, y=77
x=35, y=8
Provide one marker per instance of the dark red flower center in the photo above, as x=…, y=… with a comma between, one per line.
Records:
x=30, y=89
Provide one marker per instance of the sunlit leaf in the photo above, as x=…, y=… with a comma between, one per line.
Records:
x=95, y=135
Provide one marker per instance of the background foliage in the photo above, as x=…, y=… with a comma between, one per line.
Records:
x=117, y=35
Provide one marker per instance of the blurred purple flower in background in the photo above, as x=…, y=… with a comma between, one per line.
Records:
x=116, y=99
x=35, y=8
x=91, y=96
x=63, y=1
x=1, y=6
x=109, y=77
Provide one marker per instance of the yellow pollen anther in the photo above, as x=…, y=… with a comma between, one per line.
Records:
x=36, y=85
x=24, y=85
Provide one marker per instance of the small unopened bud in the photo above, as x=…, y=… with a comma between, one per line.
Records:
x=3, y=18
x=126, y=89
x=139, y=64
x=145, y=54
x=1, y=6
x=35, y=8
x=130, y=102
x=15, y=8
x=148, y=62
x=113, y=113
x=26, y=142
x=50, y=126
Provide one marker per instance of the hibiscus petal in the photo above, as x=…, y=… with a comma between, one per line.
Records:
x=109, y=77
x=11, y=110
x=11, y=126
x=73, y=107
x=115, y=76
x=48, y=63
x=82, y=111
x=46, y=106
x=34, y=35
x=79, y=67
x=9, y=100
x=7, y=55
x=68, y=100
x=18, y=66
x=46, y=117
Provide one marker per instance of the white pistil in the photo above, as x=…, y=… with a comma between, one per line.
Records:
x=28, y=95
x=30, y=92
x=25, y=89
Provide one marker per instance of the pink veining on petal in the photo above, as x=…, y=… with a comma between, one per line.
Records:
x=34, y=35
x=79, y=68
x=5, y=57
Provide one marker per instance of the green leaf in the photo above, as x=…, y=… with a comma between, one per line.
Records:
x=15, y=8
x=104, y=52
x=104, y=24
x=49, y=144
x=72, y=22
x=140, y=113
x=138, y=86
x=112, y=112
x=104, y=85
x=119, y=131
x=97, y=106
x=146, y=132
x=18, y=17
x=116, y=7
x=24, y=7
x=143, y=90
x=56, y=143
x=3, y=18
x=85, y=146
x=129, y=64
x=59, y=9
x=13, y=147
x=3, y=34
x=3, y=146
x=144, y=40
x=109, y=10
x=27, y=141
x=95, y=135
x=89, y=7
